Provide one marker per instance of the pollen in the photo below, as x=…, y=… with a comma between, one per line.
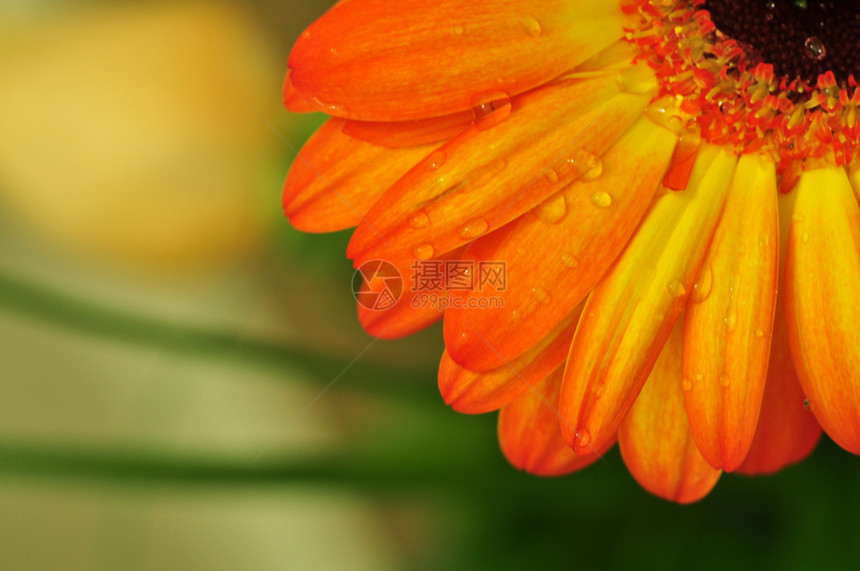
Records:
x=732, y=92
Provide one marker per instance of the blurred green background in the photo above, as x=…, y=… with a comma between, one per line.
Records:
x=168, y=346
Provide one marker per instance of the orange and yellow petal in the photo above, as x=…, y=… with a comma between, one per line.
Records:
x=631, y=312
x=484, y=178
x=822, y=278
x=428, y=58
x=787, y=431
x=476, y=392
x=336, y=179
x=529, y=436
x=557, y=252
x=729, y=318
x=655, y=438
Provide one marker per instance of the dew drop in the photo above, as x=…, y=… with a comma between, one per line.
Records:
x=419, y=219
x=601, y=199
x=583, y=437
x=531, y=26
x=687, y=385
x=725, y=380
x=699, y=377
x=677, y=289
x=585, y=165
x=553, y=209
x=759, y=333
x=542, y=295
x=702, y=287
x=473, y=229
x=436, y=160
x=551, y=175
x=424, y=251
x=336, y=109
x=490, y=109
x=815, y=48
x=731, y=320
x=569, y=261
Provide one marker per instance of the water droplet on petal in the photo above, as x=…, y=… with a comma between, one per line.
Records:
x=531, y=26
x=687, y=384
x=424, y=251
x=601, y=199
x=569, y=261
x=759, y=333
x=436, y=160
x=542, y=295
x=337, y=109
x=702, y=287
x=419, y=219
x=815, y=48
x=731, y=320
x=551, y=175
x=490, y=109
x=583, y=437
x=725, y=380
x=699, y=377
x=586, y=166
x=553, y=209
x=677, y=289
x=472, y=229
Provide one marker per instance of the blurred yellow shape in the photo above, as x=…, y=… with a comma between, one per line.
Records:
x=131, y=134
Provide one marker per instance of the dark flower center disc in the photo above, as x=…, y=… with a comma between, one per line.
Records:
x=801, y=38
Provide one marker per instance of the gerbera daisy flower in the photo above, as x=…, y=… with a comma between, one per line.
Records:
x=671, y=187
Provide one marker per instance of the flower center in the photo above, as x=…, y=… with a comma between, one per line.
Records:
x=801, y=38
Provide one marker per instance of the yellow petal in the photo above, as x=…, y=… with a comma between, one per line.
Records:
x=655, y=438
x=822, y=282
x=729, y=318
x=630, y=313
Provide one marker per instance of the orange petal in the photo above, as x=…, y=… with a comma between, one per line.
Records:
x=529, y=436
x=335, y=179
x=557, y=252
x=655, y=438
x=822, y=278
x=729, y=318
x=630, y=313
x=483, y=179
x=474, y=393
x=410, y=133
x=369, y=60
x=414, y=310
